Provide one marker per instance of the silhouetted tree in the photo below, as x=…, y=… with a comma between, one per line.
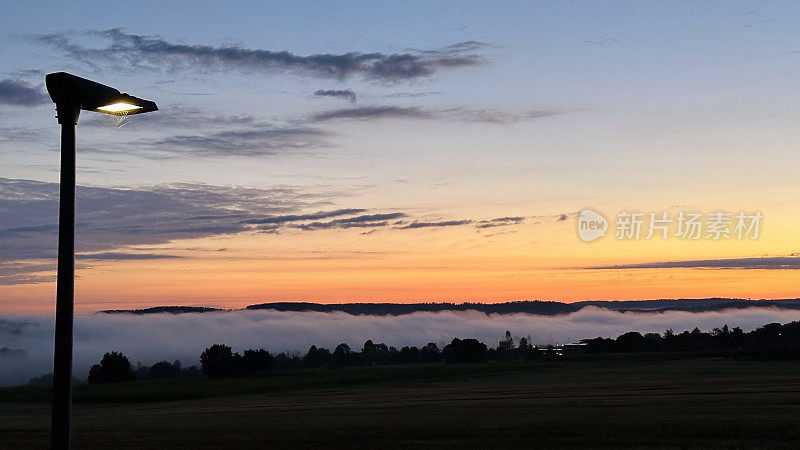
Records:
x=190, y=372
x=256, y=360
x=317, y=357
x=430, y=353
x=369, y=352
x=343, y=356
x=113, y=368
x=406, y=355
x=163, y=370
x=218, y=361
x=464, y=351
x=284, y=361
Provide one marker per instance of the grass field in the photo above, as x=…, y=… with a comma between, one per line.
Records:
x=622, y=401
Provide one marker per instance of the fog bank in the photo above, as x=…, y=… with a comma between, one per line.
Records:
x=155, y=337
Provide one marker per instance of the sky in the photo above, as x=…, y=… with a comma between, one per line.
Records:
x=410, y=152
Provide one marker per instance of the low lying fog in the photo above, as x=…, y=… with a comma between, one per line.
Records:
x=155, y=337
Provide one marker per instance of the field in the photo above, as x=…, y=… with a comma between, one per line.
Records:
x=622, y=401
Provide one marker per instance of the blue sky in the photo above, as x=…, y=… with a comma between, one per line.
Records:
x=521, y=109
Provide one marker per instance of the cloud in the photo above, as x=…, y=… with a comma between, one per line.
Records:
x=769, y=262
x=372, y=113
x=498, y=117
x=259, y=141
x=237, y=135
x=342, y=93
x=119, y=256
x=27, y=271
x=113, y=218
x=247, y=137
x=139, y=52
x=24, y=134
x=300, y=217
x=21, y=93
x=365, y=113
x=115, y=223
x=500, y=222
x=152, y=338
x=444, y=223
x=362, y=221
x=410, y=94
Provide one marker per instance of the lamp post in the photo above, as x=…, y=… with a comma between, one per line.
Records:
x=71, y=94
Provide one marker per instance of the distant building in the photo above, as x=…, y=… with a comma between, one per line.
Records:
x=507, y=344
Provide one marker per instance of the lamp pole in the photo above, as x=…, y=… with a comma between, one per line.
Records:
x=68, y=112
x=71, y=94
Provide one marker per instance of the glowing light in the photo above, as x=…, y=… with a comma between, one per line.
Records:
x=118, y=108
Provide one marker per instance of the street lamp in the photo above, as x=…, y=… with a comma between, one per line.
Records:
x=71, y=94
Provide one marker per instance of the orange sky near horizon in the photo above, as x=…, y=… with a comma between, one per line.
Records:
x=543, y=261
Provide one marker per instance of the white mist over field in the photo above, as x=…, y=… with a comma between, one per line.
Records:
x=154, y=337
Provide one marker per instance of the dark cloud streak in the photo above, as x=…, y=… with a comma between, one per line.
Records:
x=367, y=113
x=119, y=256
x=768, y=262
x=134, y=51
x=500, y=222
x=444, y=223
x=348, y=94
x=21, y=93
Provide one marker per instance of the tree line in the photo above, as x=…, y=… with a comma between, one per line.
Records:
x=770, y=341
x=220, y=361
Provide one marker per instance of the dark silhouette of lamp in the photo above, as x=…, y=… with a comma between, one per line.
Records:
x=71, y=94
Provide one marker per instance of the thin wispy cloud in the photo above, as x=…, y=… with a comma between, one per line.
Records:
x=301, y=217
x=119, y=256
x=262, y=140
x=21, y=93
x=766, y=262
x=370, y=113
x=140, y=52
x=362, y=221
x=23, y=134
x=500, y=222
x=410, y=94
x=246, y=136
x=347, y=94
x=27, y=271
x=442, y=223
x=498, y=117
